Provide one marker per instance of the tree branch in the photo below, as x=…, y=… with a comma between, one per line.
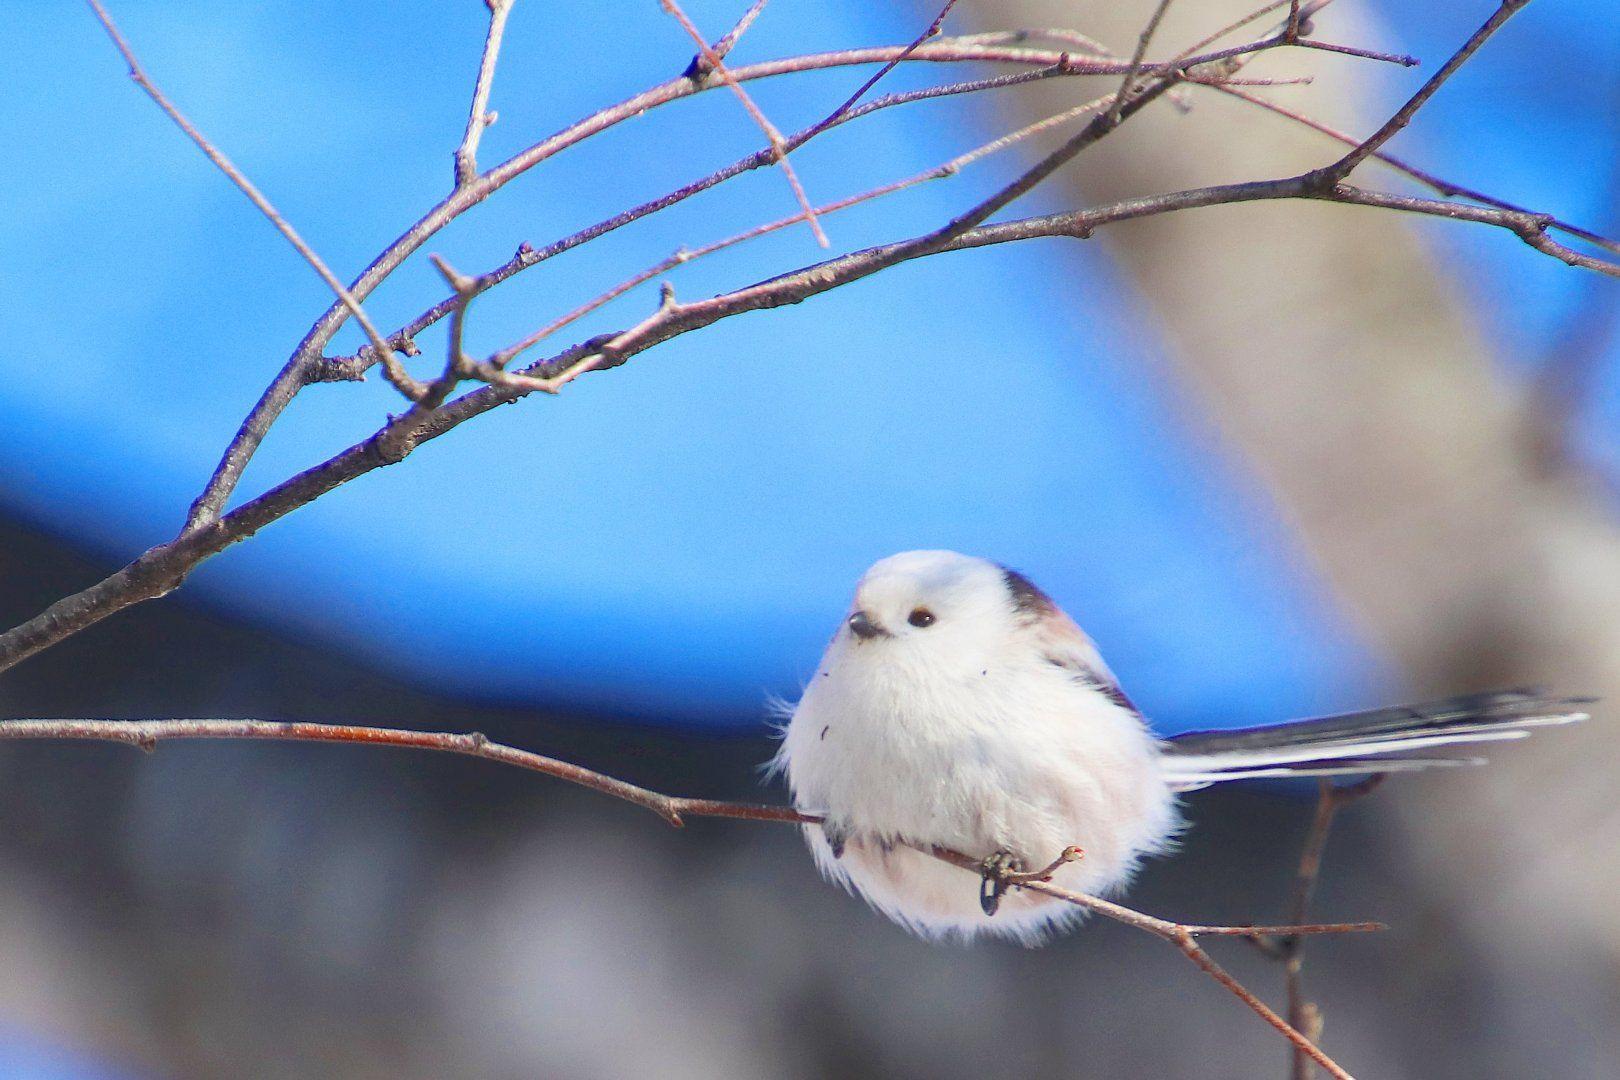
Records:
x=478, y=116
x=1304, y=1015
x=715, y=66
x=396, y=372
x=306, y=364
x=1403, y=116
x=147, y=734
x=162, y=568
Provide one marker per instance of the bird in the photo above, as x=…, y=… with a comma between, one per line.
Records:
x=957, y=706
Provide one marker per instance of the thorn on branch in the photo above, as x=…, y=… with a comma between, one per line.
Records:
x=459, y=282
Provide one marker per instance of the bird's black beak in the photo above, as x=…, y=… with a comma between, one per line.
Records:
x=863, y=627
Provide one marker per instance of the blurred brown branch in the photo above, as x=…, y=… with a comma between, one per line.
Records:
x=1303, y=1014
x=147, y=734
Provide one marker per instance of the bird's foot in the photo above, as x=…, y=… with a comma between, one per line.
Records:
x=998, y=871
x=836, y=838
x=1003, y=871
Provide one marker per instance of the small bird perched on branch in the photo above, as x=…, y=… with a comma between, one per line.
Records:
x=959, y=707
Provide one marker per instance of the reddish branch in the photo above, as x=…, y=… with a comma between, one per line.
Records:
x=146, y=734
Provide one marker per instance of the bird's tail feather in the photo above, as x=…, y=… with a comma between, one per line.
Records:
x=1375, y=741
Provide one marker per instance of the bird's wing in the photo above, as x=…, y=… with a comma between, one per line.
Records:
x=1061, y=640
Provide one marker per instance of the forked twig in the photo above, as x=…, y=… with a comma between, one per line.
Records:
x=1303, y=1014
x=147, y=734
x=1403, y=116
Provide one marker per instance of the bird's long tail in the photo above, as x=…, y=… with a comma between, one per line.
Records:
x=1380, y=740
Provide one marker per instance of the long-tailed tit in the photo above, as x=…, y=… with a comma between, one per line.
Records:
x=959, y=707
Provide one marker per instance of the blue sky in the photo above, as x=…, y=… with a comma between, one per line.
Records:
x=674, y=540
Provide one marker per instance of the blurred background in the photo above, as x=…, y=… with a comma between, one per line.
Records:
x=1278, y=459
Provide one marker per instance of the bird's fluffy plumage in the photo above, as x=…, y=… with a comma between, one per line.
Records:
x=959, y=707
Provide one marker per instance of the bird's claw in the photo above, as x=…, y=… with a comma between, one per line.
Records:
x=1004, y=870
x=836, y=838
x=998, y=872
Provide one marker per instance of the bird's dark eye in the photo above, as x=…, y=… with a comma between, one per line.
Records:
x=920, y=617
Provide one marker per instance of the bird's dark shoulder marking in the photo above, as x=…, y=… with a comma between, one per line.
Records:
x=1027, y=597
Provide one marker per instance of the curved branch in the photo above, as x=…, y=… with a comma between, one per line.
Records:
x=306, y=364
x=162, y=568
x=302, y=366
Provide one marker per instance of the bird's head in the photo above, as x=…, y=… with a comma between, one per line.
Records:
x=935, y=606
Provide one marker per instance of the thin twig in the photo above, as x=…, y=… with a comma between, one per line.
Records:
x=1071, y=38
x=1142, y=42
x=396, y=371
x=716, y=66
x=1403, y=116
x=1303, y=1014
x=505, y=356
x=1231, y=27
x=729, y=39
x=147, y=734
x=478, y=116
x=1427, y=179
x=931, y=30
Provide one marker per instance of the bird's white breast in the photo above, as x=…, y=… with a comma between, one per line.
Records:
x=1015, y=754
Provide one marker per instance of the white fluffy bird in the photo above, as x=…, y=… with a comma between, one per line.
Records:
x=959, y=707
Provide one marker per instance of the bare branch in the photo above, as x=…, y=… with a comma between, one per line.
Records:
x=680, y=258
x=146, y=734
x=1403, y=116
x=1302, y=1013
x=1427, y=179
x=717, y=67
x=478, y=116
x=932, y=30
x=162, y=568
x=1142, y=43
x=727, y=42
x=528, y=256
x=306, y=365
x=1071, y=38
x=396, y=371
